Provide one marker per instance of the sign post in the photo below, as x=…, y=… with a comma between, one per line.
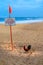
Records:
x=10, y=21
x=11, y=37
x=10, y=11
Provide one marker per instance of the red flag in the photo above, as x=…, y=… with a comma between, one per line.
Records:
x=10, y=9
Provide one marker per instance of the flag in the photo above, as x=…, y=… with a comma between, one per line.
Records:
x=10, y=9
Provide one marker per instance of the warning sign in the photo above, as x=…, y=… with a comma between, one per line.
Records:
x=10, y=21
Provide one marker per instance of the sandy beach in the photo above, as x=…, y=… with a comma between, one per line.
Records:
x=23, y=34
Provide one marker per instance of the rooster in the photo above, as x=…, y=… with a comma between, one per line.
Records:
x=27, y=48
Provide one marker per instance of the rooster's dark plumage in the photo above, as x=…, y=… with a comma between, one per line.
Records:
x=27, y=48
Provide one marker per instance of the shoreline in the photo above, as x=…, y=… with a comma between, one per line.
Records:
x=25, y=21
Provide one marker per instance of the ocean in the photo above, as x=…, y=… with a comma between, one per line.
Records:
x=24, y=19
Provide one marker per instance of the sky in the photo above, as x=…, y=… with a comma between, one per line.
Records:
x=22, y=8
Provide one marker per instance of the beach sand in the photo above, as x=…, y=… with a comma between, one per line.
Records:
x=23, y=34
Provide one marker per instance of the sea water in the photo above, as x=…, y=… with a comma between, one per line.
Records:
x=24, y=20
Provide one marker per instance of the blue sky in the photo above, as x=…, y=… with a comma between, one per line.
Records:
x=22, y=8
